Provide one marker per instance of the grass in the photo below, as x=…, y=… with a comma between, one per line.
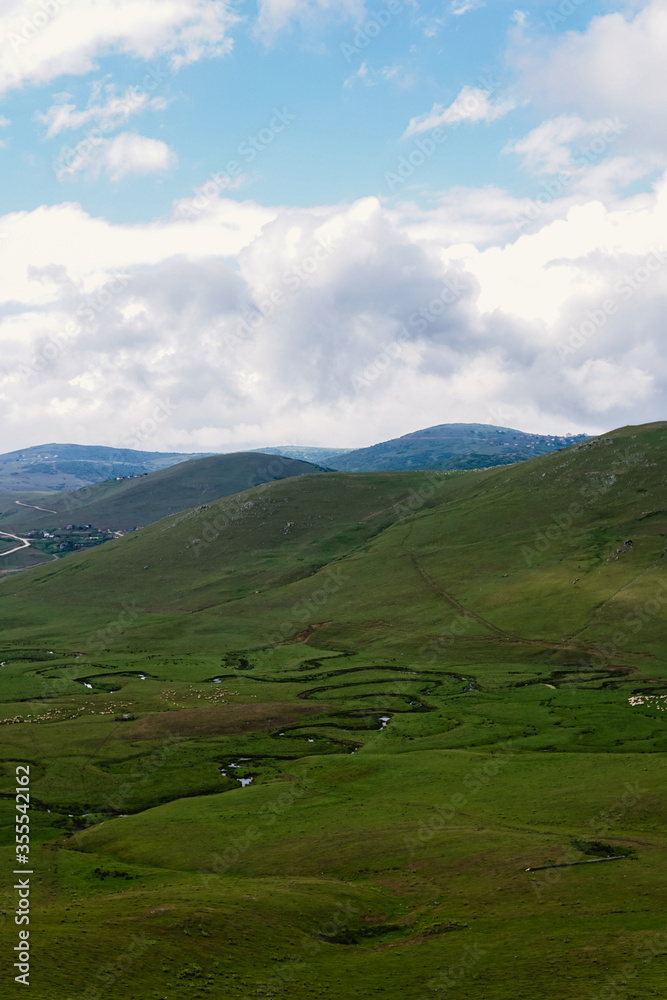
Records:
x=427, y=705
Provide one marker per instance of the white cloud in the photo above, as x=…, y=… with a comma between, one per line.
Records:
x=459, y=7
x=4, y=122
x=616, y=66
x=253, y=323
x=548, y=148
x=277, y=15
x=471, y=105
x=38, y=44
x=127, y=153
x=108, y=113
x=371, y=78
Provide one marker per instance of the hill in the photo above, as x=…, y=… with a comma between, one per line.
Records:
x=69, y=466
x=355, y=734
x=93, y=513
x=452, y=446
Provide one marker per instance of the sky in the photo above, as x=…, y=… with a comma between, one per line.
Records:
x=229, y=225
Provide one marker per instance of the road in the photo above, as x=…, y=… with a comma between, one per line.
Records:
x=17, y=548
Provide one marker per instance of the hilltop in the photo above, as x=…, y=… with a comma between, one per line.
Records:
x=453, y=446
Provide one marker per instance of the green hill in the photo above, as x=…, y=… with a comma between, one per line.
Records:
x=356, y=734
x=69, y=466
x=134, y=502
x=453, y=446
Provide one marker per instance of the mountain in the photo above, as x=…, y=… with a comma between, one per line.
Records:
x=321, y=456
x=452, y=446
x=69, y=466
x=355, y=733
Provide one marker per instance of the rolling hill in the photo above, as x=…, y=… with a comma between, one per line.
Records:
x=69, y=466
x=355, y=734
x=452, y=446
x=134, y=502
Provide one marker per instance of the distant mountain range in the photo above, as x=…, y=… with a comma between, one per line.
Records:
x=445, y=446
x=68, y=466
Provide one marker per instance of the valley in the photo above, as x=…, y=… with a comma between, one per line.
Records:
x=349, y=735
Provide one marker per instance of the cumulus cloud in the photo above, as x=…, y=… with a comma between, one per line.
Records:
x=339, y=325
x=615, y=66
x=39, y=44
x=473, y=104
x=127, y=153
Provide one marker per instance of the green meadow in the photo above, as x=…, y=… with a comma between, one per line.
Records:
x=310, y=740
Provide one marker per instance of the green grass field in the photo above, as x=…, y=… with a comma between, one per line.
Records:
x=307, y=742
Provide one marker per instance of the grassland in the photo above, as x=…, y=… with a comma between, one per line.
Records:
x=427, y=703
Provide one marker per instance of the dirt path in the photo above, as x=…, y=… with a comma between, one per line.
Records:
x=17, y=548
x=47, y=510
x=457, y=604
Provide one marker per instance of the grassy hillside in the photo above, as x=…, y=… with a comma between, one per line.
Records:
x=452, y=446
x=437, y=689
x=69, y=466
x=136, y=502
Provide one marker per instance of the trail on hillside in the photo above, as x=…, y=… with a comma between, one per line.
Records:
x=17, y=548
x=47, y=510
x=454, y=602
x=508, y=638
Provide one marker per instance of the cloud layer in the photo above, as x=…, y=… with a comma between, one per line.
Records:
x=338, y=325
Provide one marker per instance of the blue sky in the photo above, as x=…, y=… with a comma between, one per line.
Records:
x=519, y=148
x=352, y=94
